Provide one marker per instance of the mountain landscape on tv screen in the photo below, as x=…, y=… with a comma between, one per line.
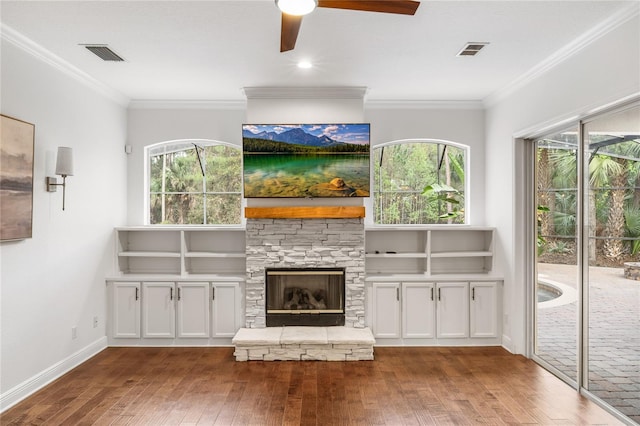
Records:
x=313, y=160
x=294, y=136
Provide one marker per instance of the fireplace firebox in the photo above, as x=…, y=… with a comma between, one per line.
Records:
x=305, y=297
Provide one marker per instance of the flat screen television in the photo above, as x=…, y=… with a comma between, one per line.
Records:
x=305, y=160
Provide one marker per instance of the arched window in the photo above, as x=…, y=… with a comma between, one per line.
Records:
x=195, y=182
x=404, y=169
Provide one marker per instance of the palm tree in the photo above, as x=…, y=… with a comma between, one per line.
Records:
x=614, y=230
x=545, y=196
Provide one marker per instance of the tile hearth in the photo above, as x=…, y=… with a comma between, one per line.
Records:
x=304, y=344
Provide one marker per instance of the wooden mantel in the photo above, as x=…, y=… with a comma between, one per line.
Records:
x=303, y=212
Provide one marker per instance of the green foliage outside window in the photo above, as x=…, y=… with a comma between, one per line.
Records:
x=195, y=184
x=408, y=182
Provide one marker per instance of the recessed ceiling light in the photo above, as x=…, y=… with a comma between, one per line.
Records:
x=304, y=64
x=472, y=48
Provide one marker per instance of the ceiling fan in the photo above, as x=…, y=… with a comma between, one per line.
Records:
x=294, y=10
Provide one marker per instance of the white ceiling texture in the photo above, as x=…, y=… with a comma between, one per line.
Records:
x=211, y=50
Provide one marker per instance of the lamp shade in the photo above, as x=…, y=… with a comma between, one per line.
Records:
x=64, y=161
x=296, y=7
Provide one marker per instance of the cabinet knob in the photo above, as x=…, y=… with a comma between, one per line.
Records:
x=178, y=293
x=213, y=293
x=432, y=293
x=171, y=293
x=473, y=293
x=137, y=295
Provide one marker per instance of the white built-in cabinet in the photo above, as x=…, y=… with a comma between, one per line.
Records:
x=431, y=313
x=193, y=309
x=125, y=310
x=176, y=285
x=175, y=309
x=452, y=310
x=432, y=285
x=158, y=310
x=386, y=304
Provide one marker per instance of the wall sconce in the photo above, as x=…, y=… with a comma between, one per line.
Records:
x=64, y=168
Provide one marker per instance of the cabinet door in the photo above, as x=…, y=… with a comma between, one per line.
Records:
x=386, y=310
x=418, y=310
x=158, y=310
x=484, y=309
x=193, y=310
x=126, y=310
x=225, y=309
x=453, y=310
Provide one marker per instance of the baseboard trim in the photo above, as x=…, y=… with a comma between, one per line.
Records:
x=19, y=392
x=507, y=344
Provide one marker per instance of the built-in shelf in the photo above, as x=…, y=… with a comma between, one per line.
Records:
x=304, y=212
x=429, y=251
x=180, y=252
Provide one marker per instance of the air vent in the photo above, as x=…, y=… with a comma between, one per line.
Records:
x=103, y=52
x=472, y=48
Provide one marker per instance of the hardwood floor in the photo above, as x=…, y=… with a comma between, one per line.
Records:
x=205, y=386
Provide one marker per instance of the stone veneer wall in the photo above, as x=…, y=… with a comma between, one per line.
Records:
x=305, y=243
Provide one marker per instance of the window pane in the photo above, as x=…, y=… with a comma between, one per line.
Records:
x=183, y=172
x=612, y=204
x=223, y=169
x=179, y=209
x=401, y=173
x=223, y=209
x=556, y=306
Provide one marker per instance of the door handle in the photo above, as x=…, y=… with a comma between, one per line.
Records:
x=213, y=293
x=178, y=293
x=473, y=293
x=137, y=295
x=432, y=293
x=171, y=293
x=439, y=298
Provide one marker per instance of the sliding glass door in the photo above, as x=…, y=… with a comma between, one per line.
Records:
x=556, y=309
x=611, y=369
x=587, y=307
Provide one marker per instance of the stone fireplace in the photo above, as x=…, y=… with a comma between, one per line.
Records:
x=298, y=245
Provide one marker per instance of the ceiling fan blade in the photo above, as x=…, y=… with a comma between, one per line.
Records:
x=289, y=32
x=403, y=7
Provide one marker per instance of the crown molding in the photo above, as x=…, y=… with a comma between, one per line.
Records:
x=614, y=21
x=417, y=104
x=204, y=104
x=345, y=92
x=29, y=46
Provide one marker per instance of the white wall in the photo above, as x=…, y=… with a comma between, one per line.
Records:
x=151, y=123
x=55, y=280
x=603, y=72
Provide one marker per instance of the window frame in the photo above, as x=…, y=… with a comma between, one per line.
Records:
x=187, y=141
x=466, y=149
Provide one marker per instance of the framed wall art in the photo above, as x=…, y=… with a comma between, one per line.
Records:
x=16, y=178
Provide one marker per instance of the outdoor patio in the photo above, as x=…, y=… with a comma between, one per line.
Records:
x=614, y=333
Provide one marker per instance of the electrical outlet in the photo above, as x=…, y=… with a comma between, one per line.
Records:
x=74, y=332
x=95, y=322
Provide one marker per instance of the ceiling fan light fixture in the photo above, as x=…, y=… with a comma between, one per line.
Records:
x=296, y=7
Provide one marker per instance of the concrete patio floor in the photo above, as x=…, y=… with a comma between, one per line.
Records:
x=614, y=333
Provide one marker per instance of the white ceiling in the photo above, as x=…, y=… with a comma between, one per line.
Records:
x=210, y=50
